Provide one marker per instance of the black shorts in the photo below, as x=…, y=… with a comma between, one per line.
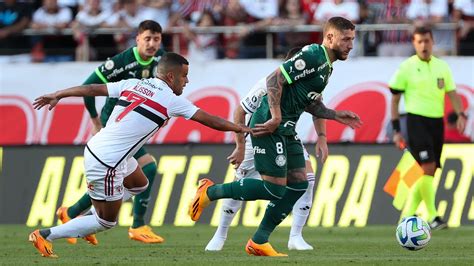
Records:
x=425, y=138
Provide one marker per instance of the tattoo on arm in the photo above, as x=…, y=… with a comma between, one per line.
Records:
x=319, y=110
x=275, y=84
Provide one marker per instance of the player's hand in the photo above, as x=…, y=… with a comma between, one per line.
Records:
x=399, y=140
x=348, y=118
x=47, y=99
x=244, y=129
x=237, y=156
x=266, y=128
x=322, y=150
x=96, y=125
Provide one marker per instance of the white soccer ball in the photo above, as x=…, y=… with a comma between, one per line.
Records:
x=413, y=233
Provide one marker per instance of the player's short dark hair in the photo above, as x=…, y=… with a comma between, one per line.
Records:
x=422, y=30
x=169, y=61
x=338, y=23
x=151, y=25
x=292, y=52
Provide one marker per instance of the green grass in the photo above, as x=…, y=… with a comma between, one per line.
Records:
x=374, y=245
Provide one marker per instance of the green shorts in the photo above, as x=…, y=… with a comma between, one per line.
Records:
x=276, y=154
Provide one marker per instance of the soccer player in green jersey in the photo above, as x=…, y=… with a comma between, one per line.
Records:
x=424, y=80
x=291, y=89
x=136, y=62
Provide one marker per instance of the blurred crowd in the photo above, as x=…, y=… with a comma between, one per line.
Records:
x=83, y=16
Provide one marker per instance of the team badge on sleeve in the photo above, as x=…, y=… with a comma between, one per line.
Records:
x=440, y=83
x=109, y=64
x=300, y=64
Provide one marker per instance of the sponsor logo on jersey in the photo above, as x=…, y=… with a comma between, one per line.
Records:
x=313, y=95
x=289, y=124
x=149, y=83
x=280, y=160
x=133, y=73
x=322, y=77
x=300, y=64
x=305, y=72
x=114, y=73
x=109, y=64
x=258, y=150
x=323, y=66
x=423, y=155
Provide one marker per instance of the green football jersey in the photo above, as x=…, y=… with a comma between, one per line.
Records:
x=126, y=65
x=307, y=74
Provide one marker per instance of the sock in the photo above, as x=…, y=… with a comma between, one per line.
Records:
x=428, y=195
x=230, y=208
x=415, y=198
x=140, y=202
x=78, y=227
x=302, y=208
x=81, y=205
x=277, y=210
x=246, y=189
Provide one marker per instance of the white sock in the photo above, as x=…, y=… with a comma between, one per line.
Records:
x=79, y=227
x=302, y=208
x=230, y=207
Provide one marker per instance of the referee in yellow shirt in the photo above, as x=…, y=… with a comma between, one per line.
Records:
x=424, y=80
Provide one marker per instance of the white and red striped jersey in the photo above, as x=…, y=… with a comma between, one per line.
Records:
x=143, y=106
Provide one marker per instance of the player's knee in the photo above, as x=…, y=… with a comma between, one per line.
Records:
x=275, y=191
x=105, y=224
x=137, y=190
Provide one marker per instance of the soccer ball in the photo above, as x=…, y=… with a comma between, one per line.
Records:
x=413, y=233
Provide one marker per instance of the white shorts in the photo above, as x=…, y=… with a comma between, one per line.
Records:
x=105, y=183
x=247, y=167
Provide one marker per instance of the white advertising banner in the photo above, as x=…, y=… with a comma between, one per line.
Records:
x=358, y=84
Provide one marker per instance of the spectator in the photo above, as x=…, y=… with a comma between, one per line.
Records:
x=202, y=46
x=451, y=134
x=109, y=6
x=234, y=14
x=429, y=13
x=262, y=13
x=161, y=9
x=464, y=11
x=129, y=16
x=90, y=17
x=292, y=15
x=394, y=42
x=344, y=8
x=50, y=16
x=14, y=18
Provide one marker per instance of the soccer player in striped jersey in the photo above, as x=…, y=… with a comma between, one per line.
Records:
x=112, y=173
x=136, y=62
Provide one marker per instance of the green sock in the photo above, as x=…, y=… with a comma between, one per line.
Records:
x=428, y=195
x=80, y=206
x=277, y=210
x=246, y=189
x=415, y=199
x=140, y=202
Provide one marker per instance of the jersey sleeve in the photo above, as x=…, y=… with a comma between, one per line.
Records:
x=398, y=81
x=116, y=88
x=182, y=107
x=108, y=71
x=89, y=101
x=303, y=64
x=252, y=100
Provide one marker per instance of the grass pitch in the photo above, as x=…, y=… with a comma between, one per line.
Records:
x=374, y=245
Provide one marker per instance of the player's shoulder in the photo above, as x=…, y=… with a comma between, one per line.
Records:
x=118, y=60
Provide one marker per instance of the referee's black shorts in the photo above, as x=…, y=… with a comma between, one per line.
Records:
x=425, y=138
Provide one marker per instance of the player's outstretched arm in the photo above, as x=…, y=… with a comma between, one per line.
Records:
x=237, y=156
x=318, y=109
x=84, y=90
x=217, y=123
